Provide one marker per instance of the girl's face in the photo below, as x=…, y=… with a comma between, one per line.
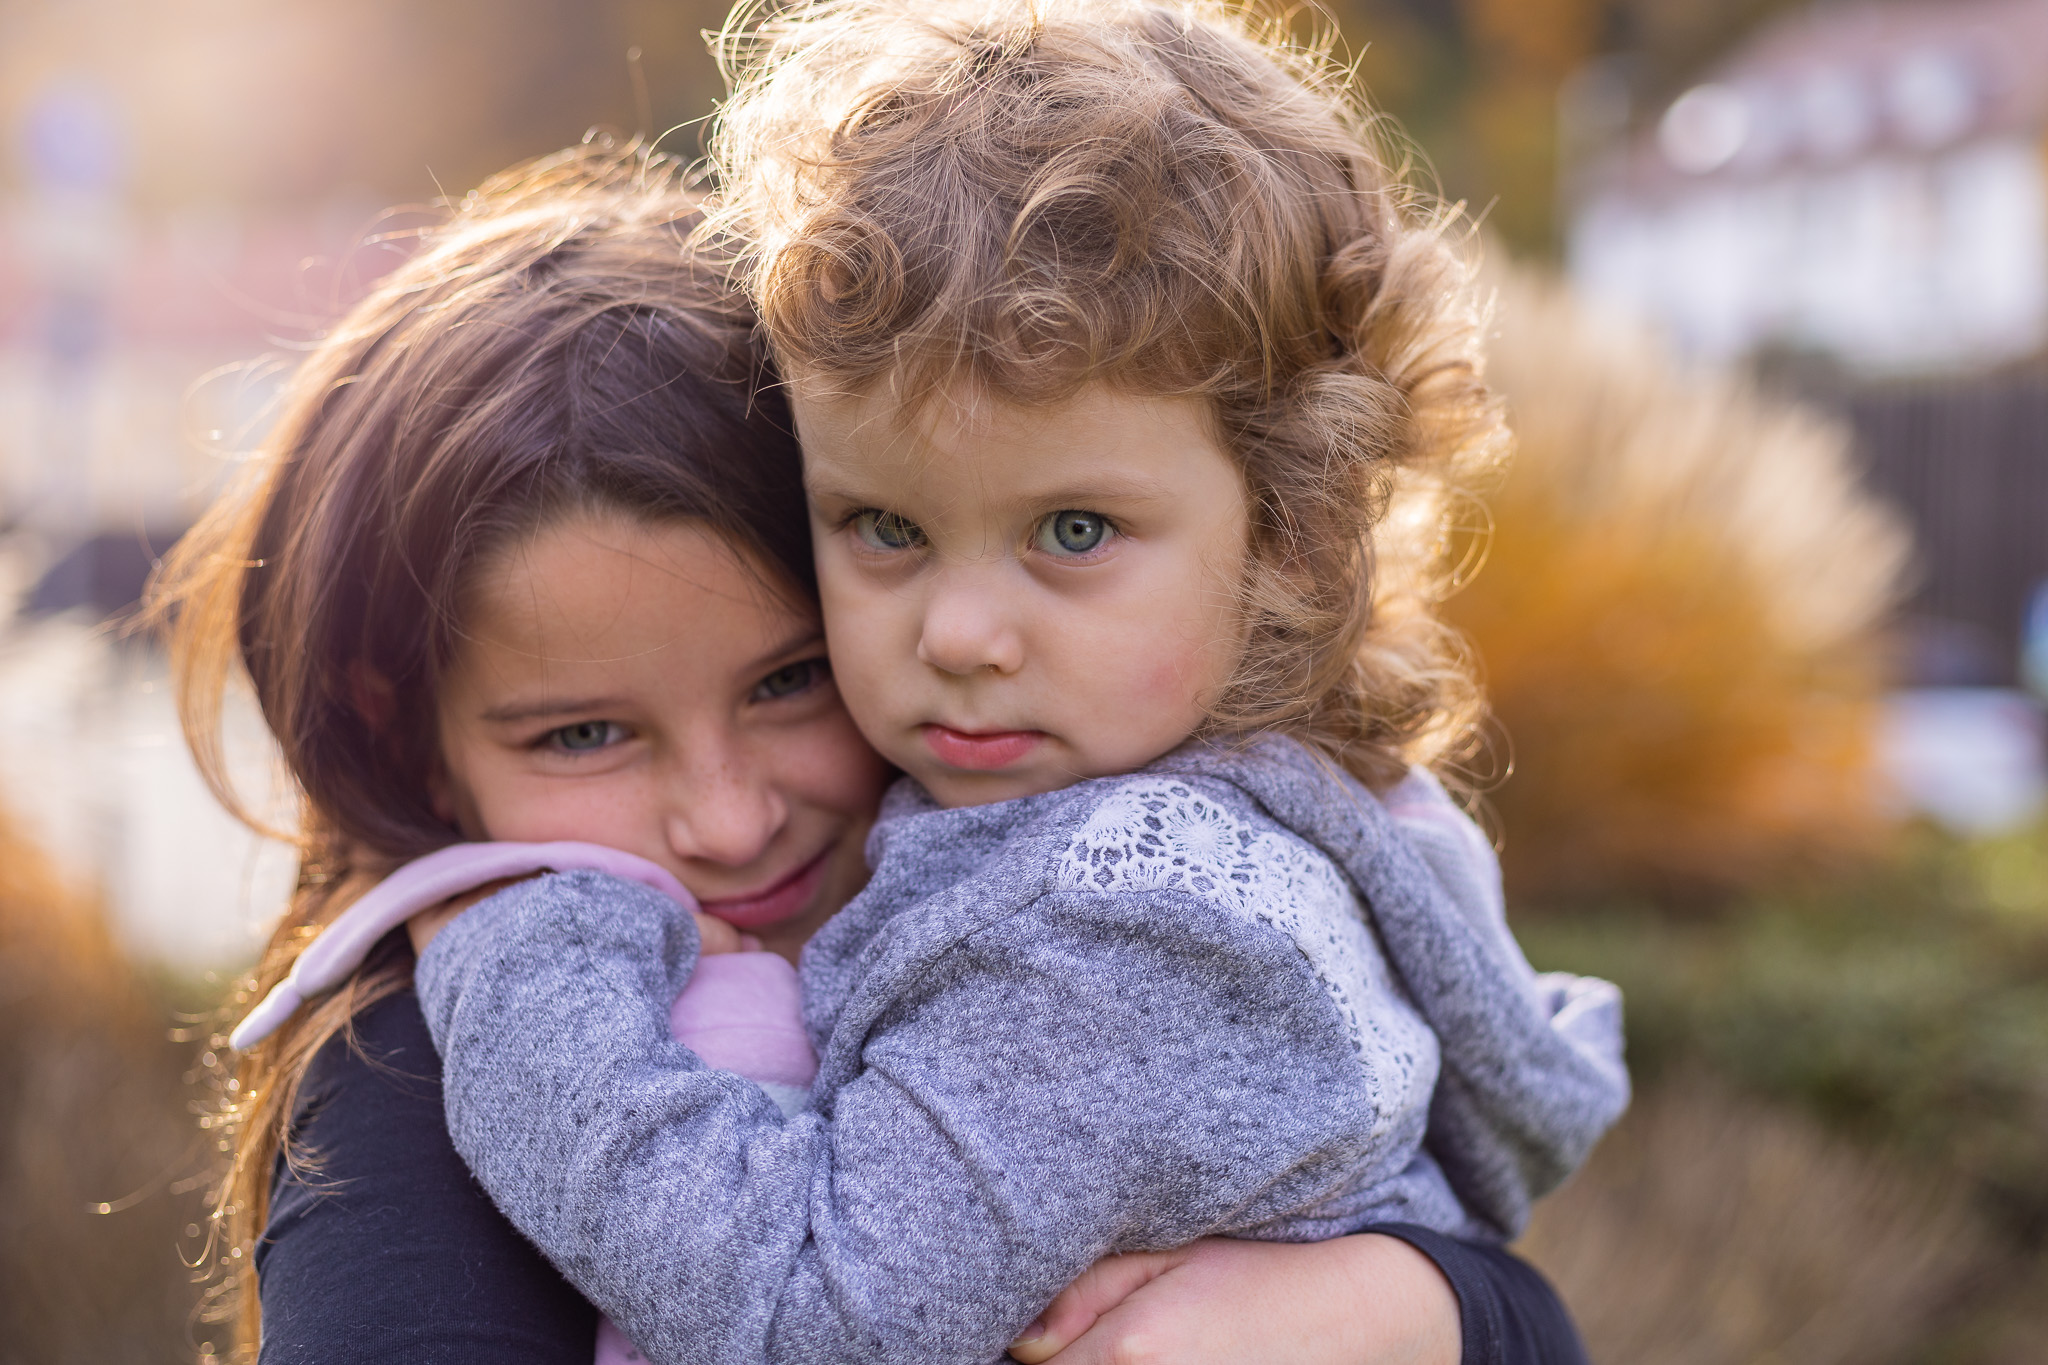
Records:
x=1020, y=596
x=638, y=685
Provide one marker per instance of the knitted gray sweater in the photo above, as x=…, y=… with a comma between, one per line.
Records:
x=1123, y=1015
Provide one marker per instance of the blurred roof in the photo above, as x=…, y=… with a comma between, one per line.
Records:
x=1837, y=84
x=103, y=574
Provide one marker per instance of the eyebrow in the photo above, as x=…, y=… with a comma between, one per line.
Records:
x=1104, y=490
x=814, y=636
x=516, y=712
x=507, y=715
x=1107, y=489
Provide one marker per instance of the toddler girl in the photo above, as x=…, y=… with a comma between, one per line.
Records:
x=1106, y=338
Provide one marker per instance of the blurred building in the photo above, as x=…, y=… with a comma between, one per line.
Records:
x=1856, y=200
x=1865, y=182
x=130, y=377
x=126, y=382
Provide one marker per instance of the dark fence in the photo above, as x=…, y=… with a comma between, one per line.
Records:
x=1968, y=463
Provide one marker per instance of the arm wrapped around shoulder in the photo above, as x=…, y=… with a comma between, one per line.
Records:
x=994, y=1112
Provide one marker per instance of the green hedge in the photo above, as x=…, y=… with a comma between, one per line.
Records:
x=1907, y=1008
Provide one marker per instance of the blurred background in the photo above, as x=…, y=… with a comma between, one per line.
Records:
x=1764, y=615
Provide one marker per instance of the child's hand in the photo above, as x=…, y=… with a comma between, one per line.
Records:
x=422, y=927
x=716, y=936
x=1367, y=1299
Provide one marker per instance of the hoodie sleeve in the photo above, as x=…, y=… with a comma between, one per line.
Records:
x=1585, y=1010
x=1508, y=1123
x=1085, y=1074
x=1532, y=1065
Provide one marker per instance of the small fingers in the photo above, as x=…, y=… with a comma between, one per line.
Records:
x=715, y=936
x=423, y=927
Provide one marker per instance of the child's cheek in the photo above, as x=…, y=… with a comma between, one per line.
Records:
x=538, y=812
x=1166, y=680
x=1186, y=637
x=1172, y=679
x=872, y=652
x=858, y=632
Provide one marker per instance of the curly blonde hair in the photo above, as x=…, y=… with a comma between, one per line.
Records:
x=1171, y=198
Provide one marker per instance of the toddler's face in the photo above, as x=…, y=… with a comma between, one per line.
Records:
x=1018, y=597
x=636, y=685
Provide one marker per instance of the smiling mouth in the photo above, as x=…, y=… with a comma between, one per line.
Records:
x=772, y=905
x=986, y=752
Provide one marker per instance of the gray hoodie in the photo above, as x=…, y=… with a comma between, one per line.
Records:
x=1223, y=995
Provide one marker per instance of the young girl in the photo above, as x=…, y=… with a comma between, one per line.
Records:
x=553, y=377
x=552, y=351
x=1106, y=338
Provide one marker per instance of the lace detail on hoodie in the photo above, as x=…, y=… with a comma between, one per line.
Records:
x=1157, y=834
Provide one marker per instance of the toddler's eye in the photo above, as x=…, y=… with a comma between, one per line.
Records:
x=887, y=531
x=792, y=679
x=586, y=735
x=1073, y=533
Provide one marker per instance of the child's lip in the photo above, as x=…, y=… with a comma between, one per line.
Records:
x=774, y=903
x=979, y=751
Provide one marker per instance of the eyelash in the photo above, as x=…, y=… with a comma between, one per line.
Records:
x=556, y=740
x=866, y=525
x=810, y=674
x=815, y=673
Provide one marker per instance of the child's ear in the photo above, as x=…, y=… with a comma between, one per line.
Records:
x=373, y=696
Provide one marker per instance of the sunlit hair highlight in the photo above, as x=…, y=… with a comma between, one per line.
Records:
x=1171, y=199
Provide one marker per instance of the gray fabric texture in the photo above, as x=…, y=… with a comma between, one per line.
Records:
x=1038, y=1044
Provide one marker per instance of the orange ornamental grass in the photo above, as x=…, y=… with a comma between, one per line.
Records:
x=94, y=1134
x=1678, y=620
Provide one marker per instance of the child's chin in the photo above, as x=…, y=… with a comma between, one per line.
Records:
x=951, y=787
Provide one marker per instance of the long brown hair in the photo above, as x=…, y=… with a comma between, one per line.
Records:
x=1167, y=196
x=553, y=346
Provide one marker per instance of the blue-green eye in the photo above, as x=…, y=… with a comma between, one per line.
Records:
x=792, y=679
x=887, y=531
x=587, y=735
x=1073, y=533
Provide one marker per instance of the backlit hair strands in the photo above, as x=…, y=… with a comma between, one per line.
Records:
x=1171, y=199
x=553, y=346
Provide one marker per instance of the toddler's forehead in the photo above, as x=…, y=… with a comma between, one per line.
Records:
x=962, y=404
x=965, y=412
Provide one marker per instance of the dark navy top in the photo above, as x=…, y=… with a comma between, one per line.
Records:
x=391, y=1251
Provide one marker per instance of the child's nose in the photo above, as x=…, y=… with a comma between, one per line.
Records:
x=966, y=627
x=721, y=812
